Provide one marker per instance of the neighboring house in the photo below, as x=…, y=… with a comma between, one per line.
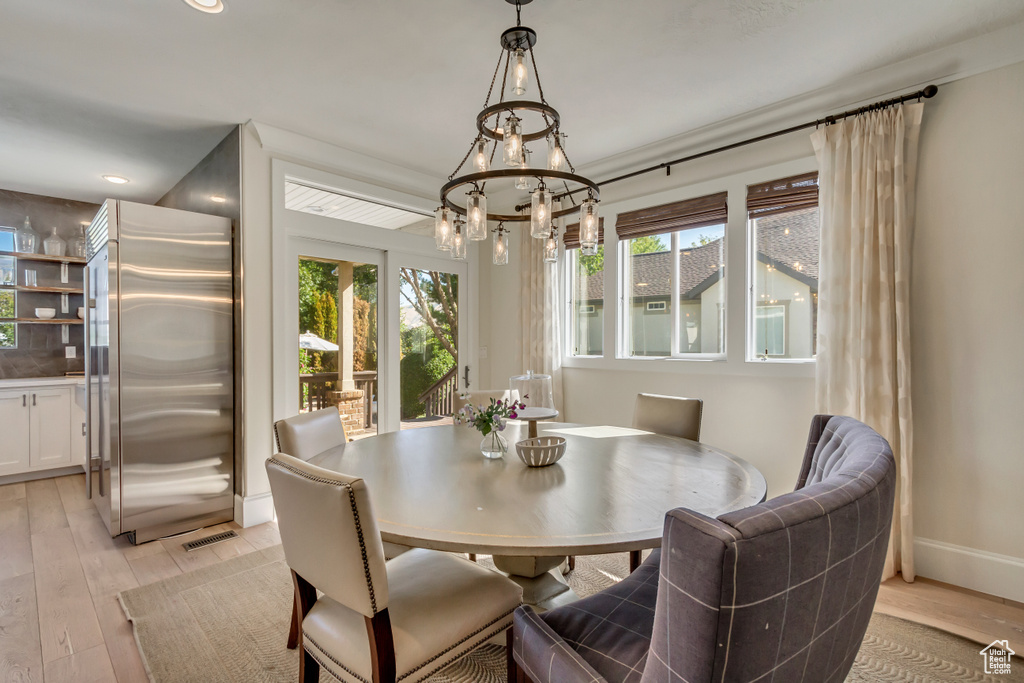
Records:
x=786, y=274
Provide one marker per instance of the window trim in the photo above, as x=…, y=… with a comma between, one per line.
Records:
x=624, y=322
x=734, y=362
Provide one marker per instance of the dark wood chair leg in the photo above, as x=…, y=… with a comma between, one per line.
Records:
x=472, y=557
x=515, y=673
x=572, y=562
x=635, y=557
x=309, y=668
x=293, y=632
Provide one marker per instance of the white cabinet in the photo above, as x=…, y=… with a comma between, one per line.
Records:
x=37, y=428
x=50, y=435
x=14, y=431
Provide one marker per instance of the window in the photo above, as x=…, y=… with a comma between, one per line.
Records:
x=784, y=268
x=586, y=294
x=674, y=263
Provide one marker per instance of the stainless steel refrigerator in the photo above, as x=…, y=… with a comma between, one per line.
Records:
x=159, y=370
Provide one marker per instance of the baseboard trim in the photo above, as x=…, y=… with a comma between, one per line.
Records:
x=979, y=570
x=253, y=510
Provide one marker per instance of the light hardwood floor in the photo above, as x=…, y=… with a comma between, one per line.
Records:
x=60, y=573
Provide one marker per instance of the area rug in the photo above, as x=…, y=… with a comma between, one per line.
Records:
x=229, y=622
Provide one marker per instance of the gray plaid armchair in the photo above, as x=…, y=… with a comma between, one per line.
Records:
x=779, y=591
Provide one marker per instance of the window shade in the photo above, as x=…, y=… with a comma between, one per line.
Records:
x=782, y=195
x=572, y=234
x=692, y=213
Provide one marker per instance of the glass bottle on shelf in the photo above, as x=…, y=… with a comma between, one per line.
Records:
x=76, y=245
x=54, y=245
x=26, y=239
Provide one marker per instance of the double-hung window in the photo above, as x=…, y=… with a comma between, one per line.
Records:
x=673, y=278
x=586, y=294
x=784, y=230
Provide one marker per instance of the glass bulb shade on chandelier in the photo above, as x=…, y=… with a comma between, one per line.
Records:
x=460, y=244
x=513, y=123
x=540, y=212
x=500, y=254
x=476, y=216
x=589, y=224
x=443, y=229
x=551, y=248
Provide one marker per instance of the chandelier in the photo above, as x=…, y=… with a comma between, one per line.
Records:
x=512, y=123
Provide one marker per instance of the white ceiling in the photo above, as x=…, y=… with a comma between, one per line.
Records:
x=145, y=88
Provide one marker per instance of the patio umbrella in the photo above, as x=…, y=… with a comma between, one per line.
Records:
x=308, y=340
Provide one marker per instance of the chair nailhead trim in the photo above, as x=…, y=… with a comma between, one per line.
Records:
x=326, y=654
x=355, y=514
x=451, y=647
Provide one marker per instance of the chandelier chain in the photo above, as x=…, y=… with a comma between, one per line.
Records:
x=487, y=100
x=463, y=162
x=540, y=92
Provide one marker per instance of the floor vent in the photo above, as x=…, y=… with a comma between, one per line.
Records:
x=209, y=540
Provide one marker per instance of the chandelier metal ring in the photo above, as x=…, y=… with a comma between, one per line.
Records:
x=512, y=107
x=475, y=179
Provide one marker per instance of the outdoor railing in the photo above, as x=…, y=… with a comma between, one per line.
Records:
x=439, y=397
x=314, y=389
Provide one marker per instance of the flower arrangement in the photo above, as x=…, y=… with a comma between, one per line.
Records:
x=490, y=421
x=491, y=418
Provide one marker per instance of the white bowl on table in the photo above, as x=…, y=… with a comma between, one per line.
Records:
x=46, y=313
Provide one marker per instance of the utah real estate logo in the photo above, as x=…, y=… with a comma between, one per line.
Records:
x=997, y=657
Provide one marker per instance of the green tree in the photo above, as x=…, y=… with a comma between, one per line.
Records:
x=435, y=296
x=650, y=244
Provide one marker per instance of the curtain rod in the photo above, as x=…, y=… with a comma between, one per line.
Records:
x=926, y=92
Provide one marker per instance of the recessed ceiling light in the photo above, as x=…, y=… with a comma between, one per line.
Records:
x=208, y=6
x=218, y=199
x=116, y=179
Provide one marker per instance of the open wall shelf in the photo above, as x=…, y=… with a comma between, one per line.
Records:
x=44, y=257
x=43, y=321
x=53, y=290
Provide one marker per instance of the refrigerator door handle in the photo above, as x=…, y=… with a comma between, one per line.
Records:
x=88, y=385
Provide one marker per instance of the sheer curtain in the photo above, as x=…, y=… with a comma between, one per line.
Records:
x=540, y=314
x=867, y=170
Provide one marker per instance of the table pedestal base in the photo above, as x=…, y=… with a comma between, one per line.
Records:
x=541, y=579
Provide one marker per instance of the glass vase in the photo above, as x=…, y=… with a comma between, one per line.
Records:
x=26, y=239
x=494, y=445
x=54, y=245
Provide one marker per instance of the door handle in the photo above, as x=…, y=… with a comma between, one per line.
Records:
x=33, y=399
x=24, y=400
x=465, y=384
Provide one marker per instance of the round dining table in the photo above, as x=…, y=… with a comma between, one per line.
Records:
x=432, y=488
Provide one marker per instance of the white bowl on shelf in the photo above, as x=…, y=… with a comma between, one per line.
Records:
x=81, y=312
x=46, y=313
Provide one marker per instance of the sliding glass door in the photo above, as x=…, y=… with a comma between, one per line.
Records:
x=429, y=345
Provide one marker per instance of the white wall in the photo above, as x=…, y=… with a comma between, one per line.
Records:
x=968, y=331
x=967, y=334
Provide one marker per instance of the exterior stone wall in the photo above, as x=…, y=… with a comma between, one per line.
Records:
x=350, y=407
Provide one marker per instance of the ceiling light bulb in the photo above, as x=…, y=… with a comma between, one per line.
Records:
x=556, y=151
x=459, y=250
x=589, y=224
x=218, y=199
x=523, y=181
x=551, y=249
x=116, y=179
x=540, y=213
x=500, y=254
x=519, y=73
x=481, y=163
x=513, y=142
x=443, y=229
x=476, y=216
x=208, y=6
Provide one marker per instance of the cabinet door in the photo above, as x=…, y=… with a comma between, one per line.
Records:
x=78, y=426
x=14, y=431
x=50, y=416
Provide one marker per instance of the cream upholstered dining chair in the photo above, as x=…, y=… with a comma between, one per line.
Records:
x=381, y=621
x=669, y=415
x=305, y=436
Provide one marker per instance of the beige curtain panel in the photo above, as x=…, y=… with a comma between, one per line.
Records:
x=867, y=170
